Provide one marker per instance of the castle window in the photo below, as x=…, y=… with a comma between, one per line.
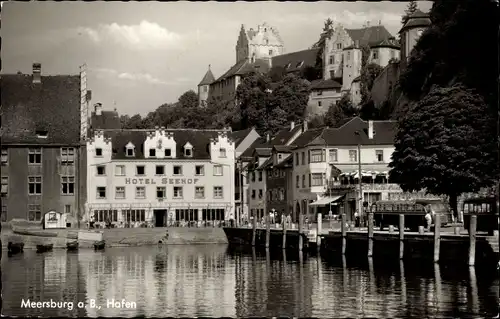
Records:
x=339, y=46
x=319, y=103
x=348, y=55
x=375, y=55
x=270, y=52
x=152, y=152
x=332, y=59
x=205, y=88
x=168, y=152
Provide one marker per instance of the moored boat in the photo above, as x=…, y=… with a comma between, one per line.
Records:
x=99, y=245
x=44, y=248
x=72, y=245
x=15, y=248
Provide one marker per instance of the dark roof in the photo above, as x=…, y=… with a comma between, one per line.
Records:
x=325, y=84
x=267, y=163
x=199, y=139
x=239, y=136
x=295, y=58
x=384, y=133
x=369, y=35
x=284, y=136
x=306, y=137
x=417, y=19
x=288, y=162
x=52, y=106
x=283, y=148
x=263, y=151
x=244, y=67
x=260, y=142
x=387, y=43
x=208, y=78
x=106, y=121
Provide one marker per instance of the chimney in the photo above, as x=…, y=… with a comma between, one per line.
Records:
x=356, y=43
x=37, y=73
x=370, y=129
x=267, y=137
x=292, y=126
x=304, y=126
x=98, y=109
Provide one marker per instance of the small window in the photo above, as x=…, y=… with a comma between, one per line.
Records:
x=319, y=103
x=222, y=152
x=140, y=192
x=67, y=209
x=152, y=152
x=34, y=185
x=199, y=192
x=218, y=194
x=101, y=192
x=130, y=152
x=339, y=46
x=199, y=170
x=253, y=193
x=303, y=181
x=5, y=156
x=218, y=170
x=34, y=212
x=297, y=181
x=177, y=170
x=67, y=155
x=333, y=155
x=188, y=152
x=375, y=55
x=5, y=186
x=261, y=193
x=177, y=192
x=160, y=170
x=270, y=52
x=101, y=170
x=260, y=176
x=120, y=170
x=120, y=192
x=161, y=192
x=168, y=152
x=319, y=92
x=379, y=154
x=35, y=156
x=140, y=170
x=98, y=151
x=68, y=185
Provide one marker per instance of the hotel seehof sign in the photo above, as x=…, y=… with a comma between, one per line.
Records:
x=161, y=181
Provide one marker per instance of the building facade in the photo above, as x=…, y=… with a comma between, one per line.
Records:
x=278, y=181
x=42, y=169
x=158, y=177
x=323, y=94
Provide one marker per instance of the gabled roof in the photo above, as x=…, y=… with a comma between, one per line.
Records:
x=387, y=43
x=52, y=106
x=417, y=19
x=199, y=139
x=107, y=120
x=267, y=163
x=244, y=67
x=208, y=78
x=239, y=136
x=294, y=59
x=286, y=163
x=260, y=142
x=384, y=133
x=282, y=148
x=263, y=151
x=369, y=35
x=325, y=84
x=306, y=137
x=284, y=136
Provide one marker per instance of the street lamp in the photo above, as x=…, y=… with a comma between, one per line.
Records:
x=360, y=200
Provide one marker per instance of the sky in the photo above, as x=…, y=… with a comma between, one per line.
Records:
x=140, y=55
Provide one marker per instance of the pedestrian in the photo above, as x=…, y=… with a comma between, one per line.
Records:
x=428, y=219
x=356, y=219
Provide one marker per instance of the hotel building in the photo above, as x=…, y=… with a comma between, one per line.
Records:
x=157, y=177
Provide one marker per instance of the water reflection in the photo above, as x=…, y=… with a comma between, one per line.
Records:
x=187, y=281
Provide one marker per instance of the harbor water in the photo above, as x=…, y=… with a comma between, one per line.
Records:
x=219, y=281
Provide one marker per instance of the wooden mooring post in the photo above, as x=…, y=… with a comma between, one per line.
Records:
x=401, y=236
x=283, y=245
x=268, y=230
x=472, y=240
x=254, y=230
x=301, y=240
x=370, y=234
x=318, y=231
x=437, y=236
x=344, y=232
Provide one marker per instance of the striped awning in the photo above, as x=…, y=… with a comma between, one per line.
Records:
x=325, y=201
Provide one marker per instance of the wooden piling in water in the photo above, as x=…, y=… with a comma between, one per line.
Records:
x=391, y=229
x=370, y=234
x=437, y=236
x=319, y=225
x=254, y=230
x=401, y=236
x=268, y=230
x=301, y=240
x=421, y=230
x=283, y=245
x=344, y=232
x=472, y=239
x=457, y=230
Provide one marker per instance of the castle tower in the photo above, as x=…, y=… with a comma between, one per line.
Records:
x=410, y=33
x=262, y=43
x=204, y=87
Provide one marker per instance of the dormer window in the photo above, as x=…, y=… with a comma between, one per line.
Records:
x=168, y=152
x=42, y=133
x=188, y=150
x=152, y=152
x=222, y=152
x=130, y=150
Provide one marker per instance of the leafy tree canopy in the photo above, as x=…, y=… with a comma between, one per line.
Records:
x=442, y=145
x=339, y=112
x=410, y=9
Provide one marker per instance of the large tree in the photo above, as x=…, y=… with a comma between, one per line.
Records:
x=253, y=95
x=339, y=112
x=441, y=145
x=326, y=33
x=291, y=95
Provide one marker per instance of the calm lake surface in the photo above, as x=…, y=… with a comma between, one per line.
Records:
x=213, y=280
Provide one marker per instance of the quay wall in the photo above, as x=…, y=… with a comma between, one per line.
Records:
x=243, y=236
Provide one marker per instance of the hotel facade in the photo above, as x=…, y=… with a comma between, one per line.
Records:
x=160, y=177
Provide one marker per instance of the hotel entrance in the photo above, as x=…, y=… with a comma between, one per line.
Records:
x=160, y=217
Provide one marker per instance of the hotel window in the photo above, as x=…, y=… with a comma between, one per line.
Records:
x=120, y=192
x=5, y=156
x=160, y=170
x=161, y=192
x=253, y=193
x=222, y=152
x=5, y=186
x=35, y=185
x=317, y=156
x=218, y=194
x=98, y=152
x=297, y=181
x=120, y=170
x=261, y=193
x=188, y=152
x=140, y=192
x=67, y=155
x=317, y=179
x=199, y=170
x=303, y=158
x=168, y=152
x=253, y=176
x=101, y=192
x=303, y=181
x=177, y=191
x=152, y=152
x=35, y=156
x=297, y=159
x=68, y=185
x=34, y=212
x=177, y=170
x=199, y=192
x=333, y=155
x=4, y=213
x=353, y=155
x=218, y=170
x=332, y=59
x=260, y=176
x=140, y=170
x=101, y=170
x=379, y=154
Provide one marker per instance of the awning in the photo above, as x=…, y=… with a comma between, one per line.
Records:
x=325, y=201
